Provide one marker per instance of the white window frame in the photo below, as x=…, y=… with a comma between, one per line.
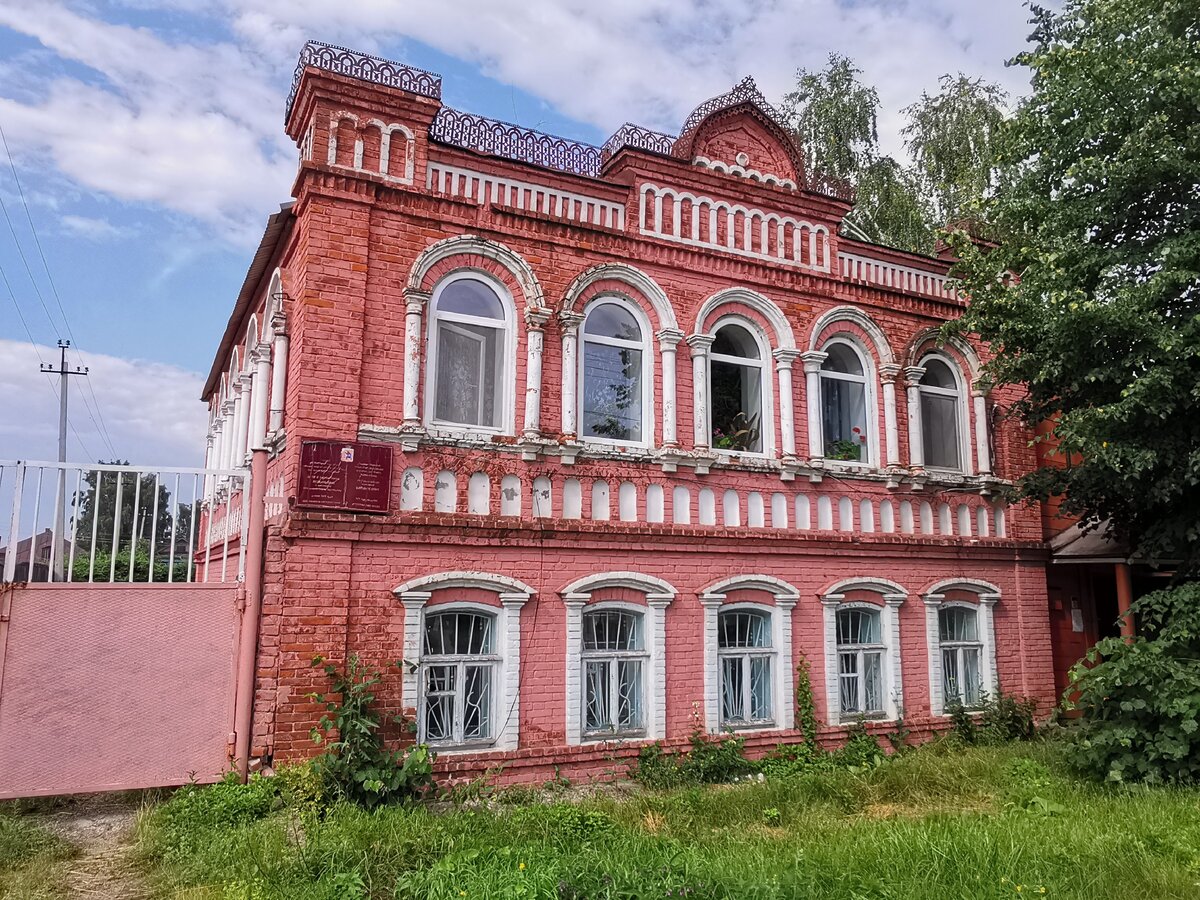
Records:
x=771, y=652
x=643, y=656
x=460, y=661
x=764, y=365
x=868, y=380
x=961, y=413
x=860, y=652
x=505, y=386
x=648, y=361
x=893, y=597
x=935, y=598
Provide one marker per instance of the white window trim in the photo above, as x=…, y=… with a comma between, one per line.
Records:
x=934, y=600
x=868, y=380
x=713, y=600
x=648, y=365
x=508, y=646
x=961, y=412
x=777, y=639
x=646, y=655
x=889, y=627
x=506, y=378
x=764, y=365
x=659, y=595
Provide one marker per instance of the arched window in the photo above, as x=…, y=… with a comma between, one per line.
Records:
x=736, y=379
x=469, y=350
x=941, y=415
x=846, y=417
x=860, y=649
x=962, y=651
x=614, y=663
x=459, y=663
x=614, y=374
x=745, y=651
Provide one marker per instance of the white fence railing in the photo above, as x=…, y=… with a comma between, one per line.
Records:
x=101, y=523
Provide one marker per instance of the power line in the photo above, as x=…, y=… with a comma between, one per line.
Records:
x=101, y=425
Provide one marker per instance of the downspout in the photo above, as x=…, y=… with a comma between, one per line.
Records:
x=251, y=614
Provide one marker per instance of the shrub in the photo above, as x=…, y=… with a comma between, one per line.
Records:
x=193, y=812
x=710, y=761
x=356, y=765
x=998, y=719
x=861, y=750
x=1141, y=700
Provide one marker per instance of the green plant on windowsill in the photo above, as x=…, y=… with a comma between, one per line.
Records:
x=848, y=448
x=742, y=434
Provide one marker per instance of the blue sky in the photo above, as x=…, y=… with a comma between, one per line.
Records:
x=147, y=137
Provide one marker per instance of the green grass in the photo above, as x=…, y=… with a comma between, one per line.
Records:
x=31, y=858
x=937, y=823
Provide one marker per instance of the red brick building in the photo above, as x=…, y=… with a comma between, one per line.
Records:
x=657, y=433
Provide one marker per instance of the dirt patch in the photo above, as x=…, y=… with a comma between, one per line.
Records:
x=102, y=831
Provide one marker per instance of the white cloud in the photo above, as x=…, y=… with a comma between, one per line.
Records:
x=93, y=229
x=196, y=127
x=151, y=411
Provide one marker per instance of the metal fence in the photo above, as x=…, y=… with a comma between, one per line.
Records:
x=97, y=523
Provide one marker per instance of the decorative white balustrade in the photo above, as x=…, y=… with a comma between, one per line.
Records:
x=602, y=500
x=699, y=221
x=103, y=523
x=482, y=187
x=900, y=278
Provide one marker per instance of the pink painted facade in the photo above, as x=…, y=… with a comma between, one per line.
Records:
x=517, y=505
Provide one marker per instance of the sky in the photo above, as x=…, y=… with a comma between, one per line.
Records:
x=144, y=150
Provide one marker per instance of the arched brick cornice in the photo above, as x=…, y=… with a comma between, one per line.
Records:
x=485, y=581
x=864, y=583
x=469, y=245
x=921, y=343
x=777, y=587
x=634, y=581
x=785, y=338
x=628, y=275
x=857, y=317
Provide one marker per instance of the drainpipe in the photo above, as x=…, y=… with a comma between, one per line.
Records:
x=247, y=659
x=1125, y=599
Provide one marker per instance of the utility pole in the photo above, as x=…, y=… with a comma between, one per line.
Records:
x=63, y=374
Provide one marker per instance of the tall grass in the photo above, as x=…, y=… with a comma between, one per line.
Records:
x=31, y=857
x=984, y=822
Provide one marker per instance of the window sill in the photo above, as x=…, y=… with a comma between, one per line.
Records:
x=738, y=727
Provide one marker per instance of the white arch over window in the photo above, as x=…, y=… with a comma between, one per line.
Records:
x=471, y=347
x=616, y=374
x=856, y=316
x=626, y=274
x=785, y=339
x=777, y=587
x=577, y=599
x=975, y=424
x=415, y=594
x=944, y=414
x=847, y=658
x=955, y=649
x=468, y=245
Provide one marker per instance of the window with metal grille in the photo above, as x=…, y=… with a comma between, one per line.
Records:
x=860, y=651
x=746, y=658
x=614, y=662
x=458, y=679
x=958, y=637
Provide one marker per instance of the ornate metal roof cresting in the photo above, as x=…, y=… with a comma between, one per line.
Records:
x=630, y=135
x=374, y=69
x=452, y=126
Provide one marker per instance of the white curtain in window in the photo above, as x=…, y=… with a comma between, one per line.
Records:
x=614, y=657
x=860, y=661
x=744, y=649
x=458, y=663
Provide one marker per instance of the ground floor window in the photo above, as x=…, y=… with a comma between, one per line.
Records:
x=458, y=669
x=745, y=654
x=860, y=662
x=614, y=661
x=958, y=635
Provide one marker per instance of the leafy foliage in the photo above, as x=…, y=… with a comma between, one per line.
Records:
x=806, y=702
x=997, y=720
x=1091, y=297
x=101, y=565
x=1141, y=700
x=709, y=761
x=836, y=117
x=356, y=765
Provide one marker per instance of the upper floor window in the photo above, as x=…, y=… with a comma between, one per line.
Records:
x=958, y=638
x=614, y=662
x=458, y=685
x=614, y=378
x=737, y=375
x=860, y=650
x=469, y=350
x=745, y=651
x=845, y=419
x=941, y=415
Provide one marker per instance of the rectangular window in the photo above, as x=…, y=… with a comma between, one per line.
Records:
x=844, y=419
x=939, y=431
x=466, y=377
x=736, y=392
x=612, y=392
x=960, y=675
x=860, y=682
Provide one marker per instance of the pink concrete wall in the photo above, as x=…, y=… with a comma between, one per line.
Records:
x=115, y=686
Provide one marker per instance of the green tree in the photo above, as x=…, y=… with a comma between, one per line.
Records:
x=952, y=137
x=1090, y=300
x=836, y=118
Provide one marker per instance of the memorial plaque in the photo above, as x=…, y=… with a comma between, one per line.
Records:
x=345, y=475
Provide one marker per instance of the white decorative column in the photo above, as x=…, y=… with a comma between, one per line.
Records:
x=891, y=430
x=258, y=393
x=812, y=397
x=241, y=414
x=570, y=372
x=668, y=340
x=414, y=307
x=700, y=428
x=787, y=401
x=937, y=696
x=279, y=364
x=712, y=665
x=656, y=620
x=987, y=634
x=833, y=703
x=212, y=457
x=414, y=606
x=983, y=453
x=916, y=440
x=786, y=715
x=509, y=714
x=890, y=625
x=574, y=604
x=227, y=431
x=535, y=338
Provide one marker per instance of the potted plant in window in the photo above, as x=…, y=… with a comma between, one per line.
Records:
x=741, y=435
x=848, y=448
